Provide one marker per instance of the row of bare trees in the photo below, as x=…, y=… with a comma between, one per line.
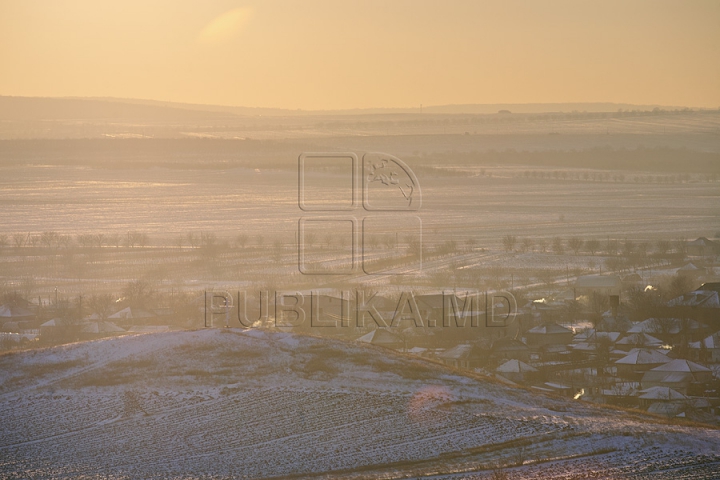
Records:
x=54, y=241
x=589, y=176
x=662, y=248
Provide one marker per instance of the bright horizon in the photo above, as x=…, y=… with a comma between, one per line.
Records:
x=324, y=55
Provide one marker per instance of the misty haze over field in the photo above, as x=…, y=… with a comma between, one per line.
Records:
x=359, y=239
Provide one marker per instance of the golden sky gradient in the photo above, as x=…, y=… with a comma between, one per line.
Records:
x=326, y=54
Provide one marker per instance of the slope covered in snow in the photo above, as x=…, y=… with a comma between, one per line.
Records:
x=248, y=403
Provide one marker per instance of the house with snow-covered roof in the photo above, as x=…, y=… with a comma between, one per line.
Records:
x=548, y=334
x=384, y=338
x=702, y=305
x=635, y=340
x=680, y=374
x=707, y=349
x=462, y=356
x=518, y=372
x=638, y=361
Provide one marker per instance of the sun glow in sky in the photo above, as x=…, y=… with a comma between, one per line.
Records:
x=324, y=54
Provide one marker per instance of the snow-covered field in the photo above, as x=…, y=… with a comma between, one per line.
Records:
x=233, y=403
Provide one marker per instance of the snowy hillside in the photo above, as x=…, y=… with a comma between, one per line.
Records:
x=233, y=403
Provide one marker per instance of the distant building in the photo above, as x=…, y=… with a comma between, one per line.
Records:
x=607, y=285
x=633, y=280
x=702, y=247
x=518, y=372
x=100, y=329
x=662, y=396
x=707, y=296
x=702, y=304
x=671, y=330
x=679, y=374
x=638, y=340
x=638, y=361
x=548, y=334
x=462, y=356
x=690, y=271
x=508, y=348
x=383, y=338
x=133, y=316
x=14, y=317
x=707, y=349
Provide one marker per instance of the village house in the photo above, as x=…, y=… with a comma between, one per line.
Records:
x=681, y=375
x=702, y=247
x=707, y=349
x=383, y=337
x=508, y=348
x=637, y=362
x=462, y=356
x=518, y=372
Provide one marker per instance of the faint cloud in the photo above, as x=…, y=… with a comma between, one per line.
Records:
x=225, y=26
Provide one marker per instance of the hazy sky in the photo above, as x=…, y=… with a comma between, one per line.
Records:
x=317, y=54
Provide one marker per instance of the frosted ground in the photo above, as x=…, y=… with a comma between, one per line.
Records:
x=233, y=403
x=72, y=200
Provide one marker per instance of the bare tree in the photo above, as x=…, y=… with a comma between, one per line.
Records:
x=678, y=286
x=84, y=240
x=414, y=247
x=192, y=240
x=611, y=247
x=32, y=240
x=628, y=248
x=471, y=242
x=592, y=245
x=64, y=241
x=102, y=305
x=527, y=244
x=662, y=247
x=48, y=239
x=241, y=240
x=114, y=239
x=99, y=240
x=19, y=239
x=575, y=244
x=136, y=239
x=509, y=242
x=542, y=245
x=680, y=246
x=138, y=292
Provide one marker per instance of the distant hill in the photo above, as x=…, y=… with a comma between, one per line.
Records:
x=38, y=108
x=474, y=109
x=42, y=108
x=236, y=403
